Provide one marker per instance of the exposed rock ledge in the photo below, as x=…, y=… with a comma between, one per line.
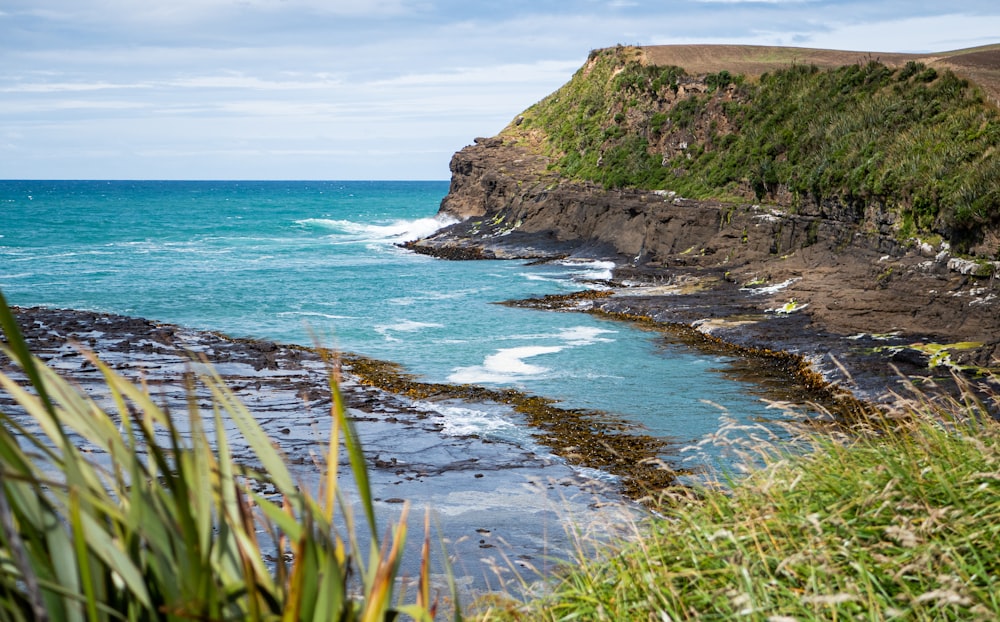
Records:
x=823, y=281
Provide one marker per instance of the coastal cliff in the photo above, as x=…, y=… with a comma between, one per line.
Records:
x=771, y=205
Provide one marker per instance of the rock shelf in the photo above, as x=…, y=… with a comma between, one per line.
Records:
x=505, y=512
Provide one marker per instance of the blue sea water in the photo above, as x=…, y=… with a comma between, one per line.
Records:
x=306, y=261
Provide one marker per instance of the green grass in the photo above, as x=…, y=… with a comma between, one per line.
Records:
x=915, y=142
x=898, y=524
x=172, y=527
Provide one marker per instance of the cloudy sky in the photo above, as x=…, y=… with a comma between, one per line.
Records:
x=358, y=89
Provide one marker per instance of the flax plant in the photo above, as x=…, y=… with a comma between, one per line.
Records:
x=176, y=529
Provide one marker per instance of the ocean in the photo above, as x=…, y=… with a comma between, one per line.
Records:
x=317, y=262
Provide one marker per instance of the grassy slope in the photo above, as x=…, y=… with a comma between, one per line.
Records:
x=980, y=64
x=889, y=131
x=900, y=525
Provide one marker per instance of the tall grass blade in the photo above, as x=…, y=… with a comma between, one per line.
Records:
x=21, y=352
x=169, y=530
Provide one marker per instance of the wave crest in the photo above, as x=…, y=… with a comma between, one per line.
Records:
x=394, y=232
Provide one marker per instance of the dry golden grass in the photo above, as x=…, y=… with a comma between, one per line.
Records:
x=980, y=64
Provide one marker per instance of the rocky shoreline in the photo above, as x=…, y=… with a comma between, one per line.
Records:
x=867, y=311
x=505, y=512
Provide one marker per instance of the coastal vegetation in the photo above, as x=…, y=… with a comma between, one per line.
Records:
x=916, y=142
x=894, y=521
x=123, y=513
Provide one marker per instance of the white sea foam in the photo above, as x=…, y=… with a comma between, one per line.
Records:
x=506, y=365
x=403, y=326
x=405, y=301
x=432, y=296
x=593, y=270
x=511, y=360
x=771, y=289
x=576, y=335
x=580, y=272
x=393, y=232
x=595, y=474
x=542, y=278
x=35, y=258
x=483, y=422
x=585, y=335
x=328, y=316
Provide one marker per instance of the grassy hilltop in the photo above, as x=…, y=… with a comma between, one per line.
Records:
x=915, y=136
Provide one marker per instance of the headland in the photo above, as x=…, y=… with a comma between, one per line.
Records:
x=839, y=207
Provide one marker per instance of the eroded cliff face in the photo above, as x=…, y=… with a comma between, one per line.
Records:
x=832, y=240
x=737, y=271
x=508, y=200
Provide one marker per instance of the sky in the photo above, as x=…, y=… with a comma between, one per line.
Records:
x=358, y=89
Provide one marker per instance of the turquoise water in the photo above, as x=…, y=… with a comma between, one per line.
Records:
x=300, y=261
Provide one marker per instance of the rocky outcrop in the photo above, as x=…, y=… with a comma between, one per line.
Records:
x=739, y=272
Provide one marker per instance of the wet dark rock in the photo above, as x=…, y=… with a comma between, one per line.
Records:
x=412, y=460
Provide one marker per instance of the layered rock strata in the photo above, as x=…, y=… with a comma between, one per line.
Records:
x=827, y=282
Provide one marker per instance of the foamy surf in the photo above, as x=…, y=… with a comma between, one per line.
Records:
x=505, y=366
x=589, y=274
x=590, y=270
x=308, y=314
x=403, y=326
x=585, y=335
x=395, y=232
x=484, y=421
x=770, y=289
x=509, y=365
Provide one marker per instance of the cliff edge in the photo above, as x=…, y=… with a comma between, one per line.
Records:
x=847, y=208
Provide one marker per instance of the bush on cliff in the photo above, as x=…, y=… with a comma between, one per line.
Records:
x=920, y=143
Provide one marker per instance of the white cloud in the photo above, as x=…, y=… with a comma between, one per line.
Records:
x=914, y=34
x=380, y=88
x=64, y=105
x=66, y=87
x=245, y=82
x=511, y=74
x=131, y=12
